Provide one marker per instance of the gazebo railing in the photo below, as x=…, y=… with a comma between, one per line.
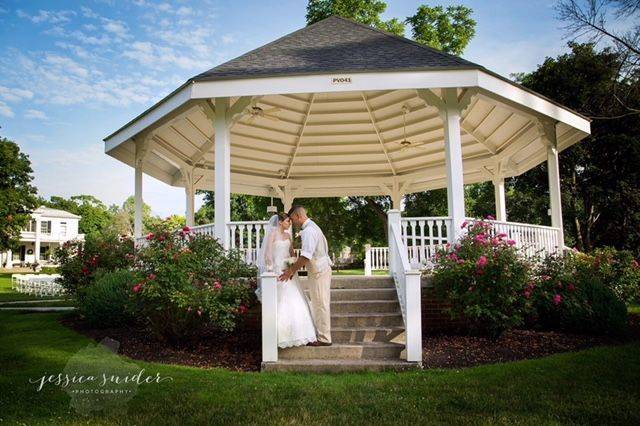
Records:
x=532, y=240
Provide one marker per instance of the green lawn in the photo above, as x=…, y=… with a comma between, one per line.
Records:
x=634, y=309
x=596, y=386
x=8, y=295
x=357, y=272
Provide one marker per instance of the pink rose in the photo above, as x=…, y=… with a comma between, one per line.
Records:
x=150, y=236
x=557, y=299
x=482, y=262
x=464, y=224
x=501, y=235
x=152, y=277
x=527, y=294
x=490, y=217
x=217, y=285
x=242, y=309
x=511, y=242
x=186, y=229
x=571, y=287
x=137, y=288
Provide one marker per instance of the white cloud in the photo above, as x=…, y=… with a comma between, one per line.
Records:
x=117, y=28
x=65, y=64
x=35, y=114
x=87, y=12
x=53, y=17
x=227, y=39
x=5, y=110
x=14, y=94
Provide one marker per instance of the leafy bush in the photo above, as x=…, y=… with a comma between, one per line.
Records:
x=483, y=277
x=570, y=294
x=107, y=302
x=619, y=270
x=189, y=283
x=80, y=260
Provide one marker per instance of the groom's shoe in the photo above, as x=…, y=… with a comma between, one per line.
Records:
x=318, y=343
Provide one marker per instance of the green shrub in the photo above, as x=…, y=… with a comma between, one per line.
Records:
x=107, y=302
x=189, y=284
x=483, y=277
x=619, y=270
x=570, y=295
x=79, y=260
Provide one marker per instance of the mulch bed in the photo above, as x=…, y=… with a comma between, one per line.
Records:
x=241, y=351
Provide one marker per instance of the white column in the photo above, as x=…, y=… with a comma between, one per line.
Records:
x=36, y=244
x=9, y=259
x=453, y=159
x=189, y=193
x=413, y=312
x=367, y=260
x=137, y=216
x=396, y=200
x=222, y=171
x=269, y=300
x=554, y=187
x=393, y=220
x=499, y=193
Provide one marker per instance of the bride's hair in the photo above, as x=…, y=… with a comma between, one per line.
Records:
x=282, y=216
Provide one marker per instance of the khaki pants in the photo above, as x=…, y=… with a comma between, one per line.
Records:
x=319, y=285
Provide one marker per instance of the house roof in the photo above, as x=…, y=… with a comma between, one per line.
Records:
x=49, y=212
x=335, y=44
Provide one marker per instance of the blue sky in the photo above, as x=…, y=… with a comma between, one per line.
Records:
x=72, y=72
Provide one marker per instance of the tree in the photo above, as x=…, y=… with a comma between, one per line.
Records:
x=124, y=217
x=608, y=21
x=364, y=11
x=95, y=215
x=17, y=194
x=449, y=30
x=600, y=177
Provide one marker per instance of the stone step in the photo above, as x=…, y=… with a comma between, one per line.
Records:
x=365, y=334
x=338, y=294
x=365, y=306
x=342, y=351
x=339, y=366
x=359, y=282
x=366, y=320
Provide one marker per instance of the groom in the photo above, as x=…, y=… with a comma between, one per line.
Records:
x=314, y=254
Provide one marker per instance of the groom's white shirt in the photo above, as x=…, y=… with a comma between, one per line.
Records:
x=314, y=246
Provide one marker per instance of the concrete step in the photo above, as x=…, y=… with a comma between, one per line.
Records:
x=365, y=334
x=338, y=294
x=365, y=306
x=339, y=366
x=342, y=351
x=366, y=320
x=359, y=282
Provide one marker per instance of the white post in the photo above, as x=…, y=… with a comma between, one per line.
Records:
x=141, y=151
x=9, y=259
x=189, y=192
x=554, y=186
x=499, y=193
x=393, y=220
x=453, y=159
x=413, y=311
x=269, y=287
x=222, y=171
x=367, y=260
x=36, y=246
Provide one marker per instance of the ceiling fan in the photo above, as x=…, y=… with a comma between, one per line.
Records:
x=406, y=143
x=254, y=112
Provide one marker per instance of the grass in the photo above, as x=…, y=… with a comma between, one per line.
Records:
x=634, y=309
x=357, y=272
x=596, y=386
x=7, y=294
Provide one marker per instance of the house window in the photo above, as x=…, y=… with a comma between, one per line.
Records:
x=45, y=227
x=63, y=229
x=31, y=226
x=44, y=253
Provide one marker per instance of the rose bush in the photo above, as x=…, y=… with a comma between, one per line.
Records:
x=570, y=293
x=188, y=284
x=80, y=260
x=484, y=277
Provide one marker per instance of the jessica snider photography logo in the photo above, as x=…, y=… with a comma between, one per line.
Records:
x=97, y=379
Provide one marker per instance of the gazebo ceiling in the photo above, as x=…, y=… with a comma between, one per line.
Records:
x=341, y=109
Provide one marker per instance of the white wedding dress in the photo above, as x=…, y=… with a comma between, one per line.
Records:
x=295, y=324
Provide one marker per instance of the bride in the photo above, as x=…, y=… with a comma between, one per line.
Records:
x=295, y=324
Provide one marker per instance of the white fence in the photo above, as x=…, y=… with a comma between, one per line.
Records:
x=533, y=240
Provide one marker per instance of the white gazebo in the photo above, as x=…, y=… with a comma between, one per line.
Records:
x=338, y=109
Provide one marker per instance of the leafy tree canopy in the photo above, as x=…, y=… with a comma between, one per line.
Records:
x=17, y=194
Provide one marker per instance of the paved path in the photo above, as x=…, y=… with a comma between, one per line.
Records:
x=17, y=302
x=41, y=309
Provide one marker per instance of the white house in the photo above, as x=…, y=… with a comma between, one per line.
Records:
x=49, y=228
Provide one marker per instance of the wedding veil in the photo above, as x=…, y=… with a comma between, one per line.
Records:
x=264, y=259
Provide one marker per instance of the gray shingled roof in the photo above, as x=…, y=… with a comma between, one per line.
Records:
x=335, y=44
